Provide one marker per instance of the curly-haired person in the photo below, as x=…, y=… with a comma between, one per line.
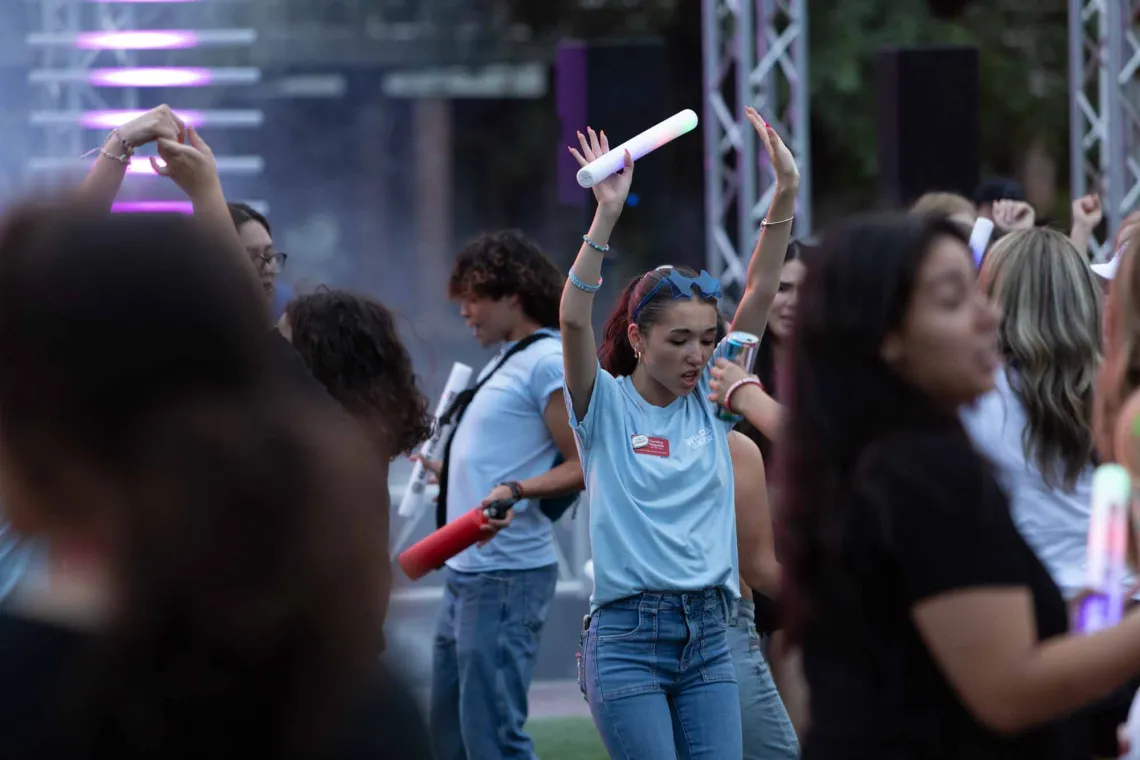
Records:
x=350, y=345
x=507, y=444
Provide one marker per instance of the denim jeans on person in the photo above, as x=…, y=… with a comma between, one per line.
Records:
x=768, y=731
x=483, y=661
x=658, y=676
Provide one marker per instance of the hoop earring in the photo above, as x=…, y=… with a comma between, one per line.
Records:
x=637, y=355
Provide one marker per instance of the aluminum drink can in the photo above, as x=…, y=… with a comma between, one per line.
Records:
x=739, y=348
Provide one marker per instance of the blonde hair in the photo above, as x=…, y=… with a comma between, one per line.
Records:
x=1050, y=336
x=1120, y=374
x=943, y=204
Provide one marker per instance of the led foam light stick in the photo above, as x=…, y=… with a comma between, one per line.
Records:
x=414, y=496
x=1107, y=549
x=980, y=238
x=645, y=143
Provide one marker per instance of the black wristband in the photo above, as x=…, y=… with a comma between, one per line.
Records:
x=516, y=490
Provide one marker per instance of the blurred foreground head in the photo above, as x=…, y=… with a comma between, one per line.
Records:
x=141, y=419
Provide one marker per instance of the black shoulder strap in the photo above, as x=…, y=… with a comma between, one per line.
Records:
x=456, y=411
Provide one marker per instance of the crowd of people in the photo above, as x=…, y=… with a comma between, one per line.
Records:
x=869, y=545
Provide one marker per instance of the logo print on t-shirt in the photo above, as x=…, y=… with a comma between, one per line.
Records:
x=699, y=439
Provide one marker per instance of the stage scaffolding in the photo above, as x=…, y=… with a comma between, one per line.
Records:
x=1104, y=107
x=755, y=54
x=68, y=40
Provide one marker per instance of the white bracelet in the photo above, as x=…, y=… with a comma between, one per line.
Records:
x=766, y=223
x=750, y=380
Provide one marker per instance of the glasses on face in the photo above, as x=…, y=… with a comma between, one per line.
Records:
x=275, y=260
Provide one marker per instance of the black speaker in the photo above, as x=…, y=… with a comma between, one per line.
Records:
x=623, y=88
x=929, y=127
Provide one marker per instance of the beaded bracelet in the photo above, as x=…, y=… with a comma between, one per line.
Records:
x=583, y=286
x=750, y=380
x=124, y=159
x=595, y=246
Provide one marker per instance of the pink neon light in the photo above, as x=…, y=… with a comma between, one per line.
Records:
x=144, y=40
x=141, y=165
x=153, y=207
x=112, y=119
x=155, y=77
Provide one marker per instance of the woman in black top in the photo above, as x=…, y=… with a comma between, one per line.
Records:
x=929, y=628
x=215, y=523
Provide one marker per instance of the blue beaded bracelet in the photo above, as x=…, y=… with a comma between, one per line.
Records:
x=583, y=286
x=595, y=246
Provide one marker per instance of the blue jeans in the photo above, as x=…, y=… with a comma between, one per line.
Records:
x=768, y=731
x=659, y=678
x=485, y=648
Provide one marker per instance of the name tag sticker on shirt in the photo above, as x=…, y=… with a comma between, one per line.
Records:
x=650, y=445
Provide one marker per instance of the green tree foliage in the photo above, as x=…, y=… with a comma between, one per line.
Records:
x=1024, y=56
x=1024, y=59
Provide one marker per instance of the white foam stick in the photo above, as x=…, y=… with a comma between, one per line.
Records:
x=414, y=495
x=647, y=142
x=980, y=238
x=1107, y=548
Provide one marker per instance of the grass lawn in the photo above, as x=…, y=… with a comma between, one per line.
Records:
x=566, y=739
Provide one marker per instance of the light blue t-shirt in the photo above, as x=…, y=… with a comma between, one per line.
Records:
x=16, y=556
x=502, y=438
x=660, y=489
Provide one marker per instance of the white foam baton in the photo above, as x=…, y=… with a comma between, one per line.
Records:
x=414, y=495
x=980, y=238
x=1107, y=549
x=645, y=143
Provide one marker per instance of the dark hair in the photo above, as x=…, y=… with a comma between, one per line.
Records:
x=508, y=263
x=993, y=189
x=765, y=353
x=351, y=346
x=843, y=397
x=240, y=514
x=615, y=354
x=243, y=212
x=765, y=366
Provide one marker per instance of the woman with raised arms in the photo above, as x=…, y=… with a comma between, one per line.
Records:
x=656, y=665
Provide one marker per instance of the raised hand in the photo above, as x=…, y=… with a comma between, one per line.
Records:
x=1087, y=212
x=156, y=123
x=613, y=190
x=1013, y=215
x=191, y=164
x=783, y=162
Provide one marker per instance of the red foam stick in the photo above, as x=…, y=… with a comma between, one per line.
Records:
x=430, y=552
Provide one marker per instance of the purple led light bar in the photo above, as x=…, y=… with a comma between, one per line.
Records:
x=142, y=40
x=153, y=207
x=150, y=77
x=112, y=119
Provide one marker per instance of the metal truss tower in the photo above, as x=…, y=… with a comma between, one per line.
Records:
x=92, y=59
x=1104, y=107
x=755, y=54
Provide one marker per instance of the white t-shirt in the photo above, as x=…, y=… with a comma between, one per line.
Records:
x=1053, y=521
x=502, y=438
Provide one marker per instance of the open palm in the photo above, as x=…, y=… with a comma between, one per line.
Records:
x=783, y=162
x=613, y=190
